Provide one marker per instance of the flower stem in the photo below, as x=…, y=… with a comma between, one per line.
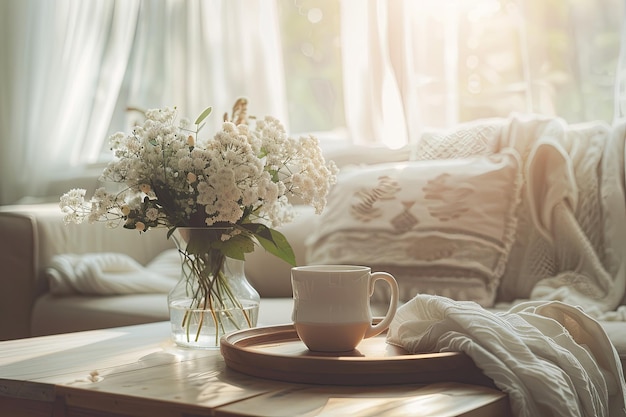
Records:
x=213, y=305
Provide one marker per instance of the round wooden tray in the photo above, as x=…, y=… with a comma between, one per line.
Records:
x=277, y=353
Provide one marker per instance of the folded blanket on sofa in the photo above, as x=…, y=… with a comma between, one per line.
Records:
x=572, y=226
x=112, y=273
x=549, y=357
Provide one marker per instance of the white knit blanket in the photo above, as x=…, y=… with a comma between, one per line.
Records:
x=112, y=273
x=549, y=357
x=572, y=228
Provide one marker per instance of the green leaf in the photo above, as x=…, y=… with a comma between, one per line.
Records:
x=164, y=197
x=272, y=241
x=236, y=247
x=258, y=229
x=197, y=243
x=203, y=115
x=279, y=246
x=274, y=175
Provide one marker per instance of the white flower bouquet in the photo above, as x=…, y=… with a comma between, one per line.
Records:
x=240, y=179
x=228, y=192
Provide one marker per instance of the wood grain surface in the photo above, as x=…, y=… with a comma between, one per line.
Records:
x=137, y=371
x=276, y=352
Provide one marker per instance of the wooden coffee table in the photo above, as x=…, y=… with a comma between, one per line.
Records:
x=138, y=371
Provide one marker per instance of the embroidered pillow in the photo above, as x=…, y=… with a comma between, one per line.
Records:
x=465, y=140
x=440, y=226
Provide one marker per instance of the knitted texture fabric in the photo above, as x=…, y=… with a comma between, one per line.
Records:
x=549, y=357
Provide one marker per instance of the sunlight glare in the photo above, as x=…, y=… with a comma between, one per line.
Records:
x=315, y=15
x=393, y=114
x=444, y=9
x=65, y=343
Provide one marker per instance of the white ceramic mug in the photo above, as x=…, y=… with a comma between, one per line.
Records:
x=331, y=310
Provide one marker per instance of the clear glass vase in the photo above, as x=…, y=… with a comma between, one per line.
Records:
x=213, y=296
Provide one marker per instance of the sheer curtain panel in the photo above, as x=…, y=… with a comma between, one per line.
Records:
x=197, y=53
x=71, y=68
x=61, y=59
x=442, y=62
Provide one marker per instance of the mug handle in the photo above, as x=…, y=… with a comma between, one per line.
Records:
x=393, y=303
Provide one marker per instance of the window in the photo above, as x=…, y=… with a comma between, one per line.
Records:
x=311, y=44
x=309, y=36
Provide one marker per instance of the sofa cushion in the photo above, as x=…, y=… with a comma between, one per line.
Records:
x=442, y=227
x=481, y=137
x=53, y=315
x=109, y=273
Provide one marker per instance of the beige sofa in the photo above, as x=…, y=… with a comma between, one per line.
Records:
x=31, y=234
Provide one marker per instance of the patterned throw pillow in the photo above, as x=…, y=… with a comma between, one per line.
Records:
x=465, y=140
x=440, y=226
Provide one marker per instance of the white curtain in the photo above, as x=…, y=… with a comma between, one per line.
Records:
x=70, y=67
x=372, y=90
x=60, y=60
x=208, y=53
x=442, y=62
x=620, y=78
